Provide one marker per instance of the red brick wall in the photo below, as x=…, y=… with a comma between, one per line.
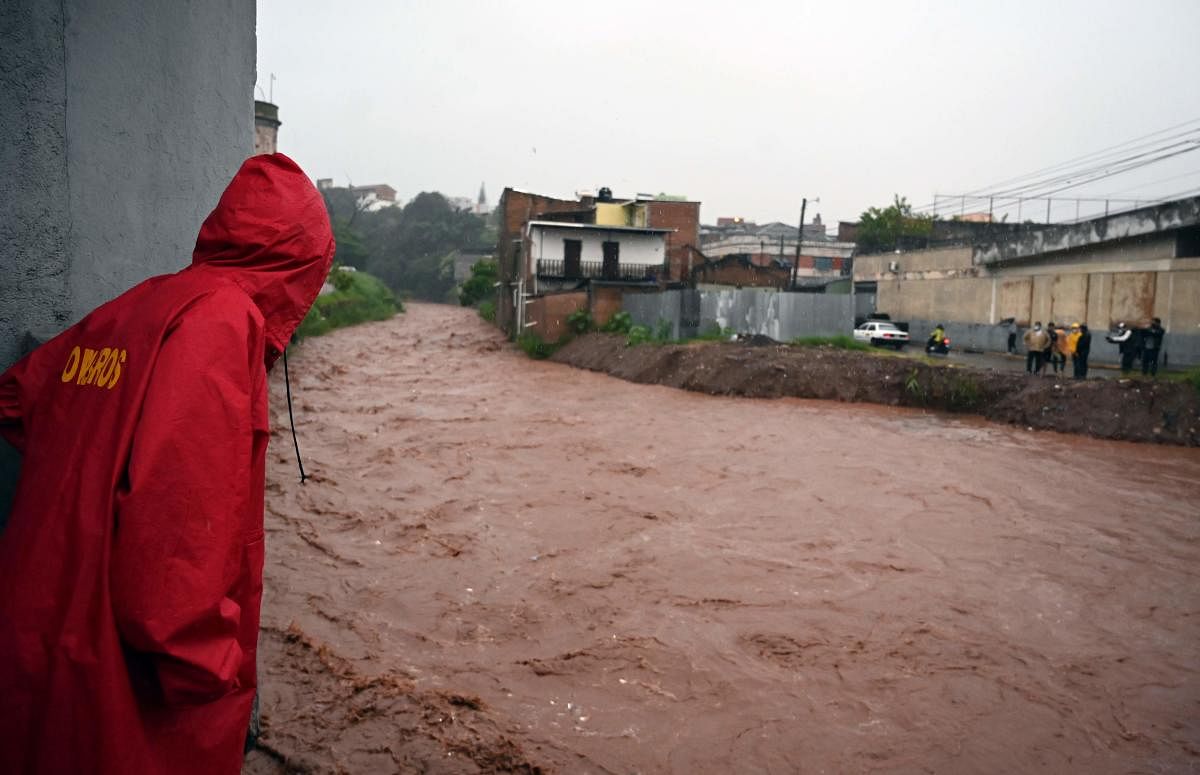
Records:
x=742, y=275
x=549, y=313
x=684, y=217
x=517, y=207
x=606, y=302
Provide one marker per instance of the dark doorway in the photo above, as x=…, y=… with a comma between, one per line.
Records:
x=572, y=250
x=610, y=270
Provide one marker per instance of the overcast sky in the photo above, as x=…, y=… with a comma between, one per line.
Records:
x=744, y=106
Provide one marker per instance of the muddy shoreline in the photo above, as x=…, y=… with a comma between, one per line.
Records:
x=1129, y=410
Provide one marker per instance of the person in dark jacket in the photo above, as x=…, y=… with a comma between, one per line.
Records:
x=1083, y=348
x=1048, y=355
x=1152, y=338
x=131, y=566
x=1122, y=336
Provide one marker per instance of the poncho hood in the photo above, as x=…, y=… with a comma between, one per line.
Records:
x=270, y=234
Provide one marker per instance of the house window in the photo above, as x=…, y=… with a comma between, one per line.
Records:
x=572, y=250
x=610, y=270
x=824, y=264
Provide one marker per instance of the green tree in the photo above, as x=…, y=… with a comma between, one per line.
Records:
x=409, y=250
x=350, y=248
x=892, y=226
x=480, y=286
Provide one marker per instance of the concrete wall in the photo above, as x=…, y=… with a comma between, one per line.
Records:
x=781, y=316
x=1099, y=284
x=120, y=124
x=1125, y=228
x=942, y=260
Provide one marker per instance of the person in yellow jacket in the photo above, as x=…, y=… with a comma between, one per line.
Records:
x=1072, y=340
x=1063, y=350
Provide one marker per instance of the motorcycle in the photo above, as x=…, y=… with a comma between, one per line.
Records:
x=938, y=347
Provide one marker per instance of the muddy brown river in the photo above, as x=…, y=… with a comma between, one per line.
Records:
x=509, y=565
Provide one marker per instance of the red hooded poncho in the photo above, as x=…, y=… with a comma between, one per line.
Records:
x=131, y=567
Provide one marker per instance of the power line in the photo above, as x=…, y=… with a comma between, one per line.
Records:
x=1123, y=147
x=1008, y=200
x=1090, y=165
x=1105, y=166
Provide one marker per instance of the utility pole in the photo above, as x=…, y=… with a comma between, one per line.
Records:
x=799, y=242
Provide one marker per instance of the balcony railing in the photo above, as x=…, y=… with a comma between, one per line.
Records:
x=594, y=270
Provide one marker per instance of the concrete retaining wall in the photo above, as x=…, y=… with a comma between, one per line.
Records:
x=120, y=124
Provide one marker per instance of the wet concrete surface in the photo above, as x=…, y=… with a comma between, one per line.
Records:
x=524, y=565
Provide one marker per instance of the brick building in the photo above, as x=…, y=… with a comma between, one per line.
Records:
x=594, y=243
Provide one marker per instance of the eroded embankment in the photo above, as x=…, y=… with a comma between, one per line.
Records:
x=1133, y=410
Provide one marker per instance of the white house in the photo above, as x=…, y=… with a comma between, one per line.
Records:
x=556, y=252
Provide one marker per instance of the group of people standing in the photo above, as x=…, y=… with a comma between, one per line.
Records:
x=1056, y=346
x=1139, y=344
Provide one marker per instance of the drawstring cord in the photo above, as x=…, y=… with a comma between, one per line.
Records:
x=288, y=384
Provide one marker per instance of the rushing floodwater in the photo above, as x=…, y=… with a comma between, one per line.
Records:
x=639, y=579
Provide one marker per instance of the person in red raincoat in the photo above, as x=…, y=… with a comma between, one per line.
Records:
x=131, y=566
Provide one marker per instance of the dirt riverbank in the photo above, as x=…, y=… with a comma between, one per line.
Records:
x=1133, y=410
x=505, y=565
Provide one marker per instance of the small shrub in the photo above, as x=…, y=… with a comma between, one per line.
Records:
x=619, y=323
x=534, y=347
x=580, y=321
x=638, y=335
x=341, y=279
x=913, y=386
x=487, y=311
x=964, y=393
x=662, y=332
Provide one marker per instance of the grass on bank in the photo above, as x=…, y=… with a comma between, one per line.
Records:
x=840, y=342
x=1190, y=376
x=358, y=297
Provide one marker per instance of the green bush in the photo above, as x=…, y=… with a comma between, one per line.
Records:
x=638, y=335
x=619, y=323
x=662, y=332
x=487, y=311
x=580, y=321
x=341, y=280
x=841, y=342
x=358, y=297
x=481, y=285
x=534, y=347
